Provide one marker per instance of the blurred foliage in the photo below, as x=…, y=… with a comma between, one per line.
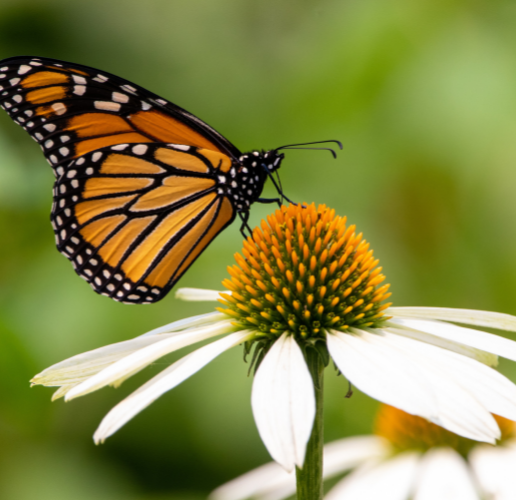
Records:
x=423, y=96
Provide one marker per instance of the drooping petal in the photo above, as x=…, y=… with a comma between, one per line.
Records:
x=489, y=319
x=74, y=370
x=467, y=336
x=163, y=382
x=347, y=453
x=272, y=482
x=388, y=480
x=490, y=388
x=198, y=294
x=382, y=373
x=487, y=358
x=260, y=482
x=136, y=361
x=186, y=323
x=405, y=373
x=494, y=471
x=283, y=402
x=444, y=476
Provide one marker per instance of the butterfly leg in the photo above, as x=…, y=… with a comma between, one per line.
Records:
x=244, y=216
x=269, y=200
x=278, y=187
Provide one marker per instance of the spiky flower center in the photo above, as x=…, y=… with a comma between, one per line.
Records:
x=408, y=432
x=304, y=271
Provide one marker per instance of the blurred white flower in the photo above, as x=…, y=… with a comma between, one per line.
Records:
x=307, y=281
x=407, y=458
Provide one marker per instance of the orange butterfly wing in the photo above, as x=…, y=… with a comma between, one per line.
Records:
x=138, y=191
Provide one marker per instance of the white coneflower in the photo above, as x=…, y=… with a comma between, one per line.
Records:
x=407, y=457
x=306, y=290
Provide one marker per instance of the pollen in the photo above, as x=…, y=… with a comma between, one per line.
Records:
x=409, y=432
x=305, y=270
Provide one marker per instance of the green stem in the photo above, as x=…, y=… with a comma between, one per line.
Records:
x=309, y=478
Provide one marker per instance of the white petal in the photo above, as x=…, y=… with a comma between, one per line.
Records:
x=484, y=357
x=388, y=367
x=133, y=363
x=444, y=476
x=62, y=391
x=488, y=319
x=347, y=453
x=256, y=483
x=166, y=380
x=198, y=294
x=474, y=338
x=494, y=470
x=381, y=373
x=283, y=402
x=78, y=368
x=272, y=482
x=192, y=322
x=490, y=388
x=389, y=480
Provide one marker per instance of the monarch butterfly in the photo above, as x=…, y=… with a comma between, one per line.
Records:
x=142, y=186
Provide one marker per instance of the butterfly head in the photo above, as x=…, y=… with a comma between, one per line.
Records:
x=262, y=162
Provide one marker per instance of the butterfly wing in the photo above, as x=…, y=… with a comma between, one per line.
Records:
x=137, y=196
x=71, y=110
x=133, y=218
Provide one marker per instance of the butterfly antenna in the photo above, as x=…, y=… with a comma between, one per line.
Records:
x=294, y=146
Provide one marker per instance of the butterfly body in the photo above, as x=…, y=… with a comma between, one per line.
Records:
x=142, y=186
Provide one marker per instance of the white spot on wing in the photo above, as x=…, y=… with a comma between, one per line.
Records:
x=64, y=151
x=146, y=106
x=59, y=108
x=141, y=149
x=96, y=156
x=14, y=81
x=181, y=147
x=119, y=147
x=18, y=98
x=128, y=88
x=80, y=161
x=107, y=106
x=79, y=89
x=24, y=69
x=118, y=97
x=49, y=126
x=79, y=79
x=101, y=78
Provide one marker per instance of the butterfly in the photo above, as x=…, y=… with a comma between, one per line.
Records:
x=142, y=186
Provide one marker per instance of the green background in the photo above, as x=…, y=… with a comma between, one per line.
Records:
x=423, y=96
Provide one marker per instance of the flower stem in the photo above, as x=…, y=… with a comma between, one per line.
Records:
x=309, y=478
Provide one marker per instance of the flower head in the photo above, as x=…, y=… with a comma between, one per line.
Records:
x=305, y=271
x=307, y=284
x=407, y=456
